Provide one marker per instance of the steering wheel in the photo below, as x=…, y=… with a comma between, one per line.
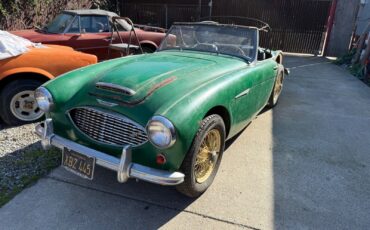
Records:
x=239, y=50
x=99, y=26
x=214, y=46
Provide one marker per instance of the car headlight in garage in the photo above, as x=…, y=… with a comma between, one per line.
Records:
x=161, y=132
x=44, y=99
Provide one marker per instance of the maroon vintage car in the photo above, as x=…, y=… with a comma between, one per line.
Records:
x=90, y=31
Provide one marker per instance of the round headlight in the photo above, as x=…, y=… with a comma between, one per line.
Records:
x=44, y=99
x=161, y=132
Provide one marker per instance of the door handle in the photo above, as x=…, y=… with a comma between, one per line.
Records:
x=276, y=67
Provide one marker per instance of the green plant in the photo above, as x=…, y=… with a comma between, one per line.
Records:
x=357, y=70
x=345, y=59
x=23, y=14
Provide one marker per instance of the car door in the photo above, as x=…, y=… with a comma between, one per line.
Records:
x=245, y=102
x=268, y=70
x=64, y=30
x=90, y=34
x=251, y=92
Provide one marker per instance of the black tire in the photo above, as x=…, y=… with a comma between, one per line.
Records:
x=273, y=101
x=190, y=187
x=6, y=95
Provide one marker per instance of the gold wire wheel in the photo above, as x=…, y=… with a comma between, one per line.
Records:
x=278, y=87
x=207, y=156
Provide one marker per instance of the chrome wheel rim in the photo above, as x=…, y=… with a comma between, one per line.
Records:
x=278, y=87
x=24, y=106
x=207, y=156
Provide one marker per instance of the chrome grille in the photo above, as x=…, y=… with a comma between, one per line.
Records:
x=108, y=128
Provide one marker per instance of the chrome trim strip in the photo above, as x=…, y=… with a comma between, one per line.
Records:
x=122, y=89
x=106, y=103
x=156, y=176
x=95, y=47
x=245, y=92
x=124, y=167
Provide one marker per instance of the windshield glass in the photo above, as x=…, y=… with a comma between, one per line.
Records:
x=214, y=38
x=59, y=24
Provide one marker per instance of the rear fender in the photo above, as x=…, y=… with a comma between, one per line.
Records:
x=279, y=59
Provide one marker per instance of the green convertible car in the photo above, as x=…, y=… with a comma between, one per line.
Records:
x=163, y=117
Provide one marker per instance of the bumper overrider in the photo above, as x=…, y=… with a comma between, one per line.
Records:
x=124, y=166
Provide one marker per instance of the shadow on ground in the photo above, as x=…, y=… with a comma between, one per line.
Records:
x=321, y=150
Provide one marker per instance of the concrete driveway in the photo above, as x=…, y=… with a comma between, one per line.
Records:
x=303, y=165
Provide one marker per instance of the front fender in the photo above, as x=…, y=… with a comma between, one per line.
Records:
x=10, y=72
x=188, y=112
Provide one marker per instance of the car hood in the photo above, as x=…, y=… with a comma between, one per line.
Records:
x=138, y=78
x=142, y=73
x=153, y=80
x=35, y=36
x=58, y=47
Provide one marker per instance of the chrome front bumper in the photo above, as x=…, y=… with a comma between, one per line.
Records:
x=123, y=166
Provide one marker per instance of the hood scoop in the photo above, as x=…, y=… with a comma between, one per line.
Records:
x=119, y=100
x=115, y=88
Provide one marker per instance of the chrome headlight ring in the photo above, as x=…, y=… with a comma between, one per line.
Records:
x=44, y=99
x=161, y=132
